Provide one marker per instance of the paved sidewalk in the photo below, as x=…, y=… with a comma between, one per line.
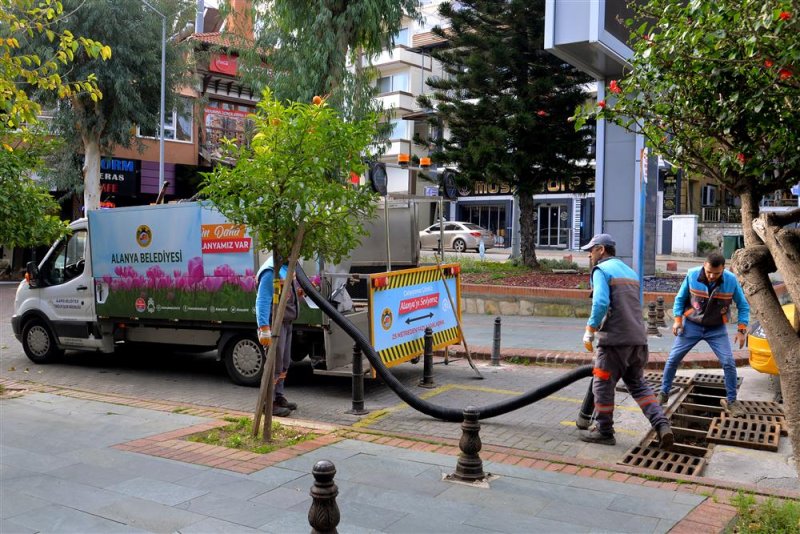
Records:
x=61, y=469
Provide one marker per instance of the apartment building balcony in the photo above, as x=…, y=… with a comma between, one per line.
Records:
x=402, y=101
x=399, y=56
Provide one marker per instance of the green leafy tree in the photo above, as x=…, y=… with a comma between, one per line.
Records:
x=507, y=103
x=131, y=83
x=312, y=43
x=28, y=214
x=714, y=87
x=290, y=187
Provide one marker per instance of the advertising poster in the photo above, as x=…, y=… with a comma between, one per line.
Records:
x=179, y=261
x=404, y=303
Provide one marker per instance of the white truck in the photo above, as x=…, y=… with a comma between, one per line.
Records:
x=182, y=275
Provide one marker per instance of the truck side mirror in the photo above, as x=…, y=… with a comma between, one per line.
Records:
x=32, y=274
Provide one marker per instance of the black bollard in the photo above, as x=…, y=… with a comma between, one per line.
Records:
x=323, y=516
x=469, y=467
x=652, y=329
x=427, y=360
x=660, y=312
x=496, y=343
x=358, y=383
x=586, y=412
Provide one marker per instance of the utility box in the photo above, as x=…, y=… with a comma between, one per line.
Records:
x=684, y=234
x=730, y=244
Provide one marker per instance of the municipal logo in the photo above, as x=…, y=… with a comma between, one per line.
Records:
x=386, y=319
x=144, y=236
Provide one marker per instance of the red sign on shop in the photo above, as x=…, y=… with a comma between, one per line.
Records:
x=419, y=303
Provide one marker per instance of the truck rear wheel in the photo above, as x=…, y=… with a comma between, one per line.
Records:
x=39, y=343
x=244, y=360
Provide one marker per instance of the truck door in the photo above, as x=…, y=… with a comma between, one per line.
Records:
x=67, y=291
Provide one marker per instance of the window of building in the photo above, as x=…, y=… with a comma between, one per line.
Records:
x=177, y=125
x=708, y=195
x=401, y=37
x=399, y=129
x=394, y=82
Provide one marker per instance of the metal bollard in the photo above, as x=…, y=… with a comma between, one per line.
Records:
x=427, y=361
x=323, y=516
x=469, y=467
x=358, y=383
x=586, y=413
x=652, y=328
x=660, y=313
x=496, y=343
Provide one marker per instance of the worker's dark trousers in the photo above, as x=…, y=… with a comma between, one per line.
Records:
x=283, y=357
x=626, y=362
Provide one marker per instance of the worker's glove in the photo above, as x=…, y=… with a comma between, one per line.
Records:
x=265, y=335
x=588, y=339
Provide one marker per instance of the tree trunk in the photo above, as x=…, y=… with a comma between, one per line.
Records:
x=91, y=173
x=264, y=405
x=527, y=230
x=753, y=265
x=749, y=213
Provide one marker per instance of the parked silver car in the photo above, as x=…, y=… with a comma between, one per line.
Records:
x=458, y=236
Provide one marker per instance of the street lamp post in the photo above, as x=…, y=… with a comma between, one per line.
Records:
x=163, y=89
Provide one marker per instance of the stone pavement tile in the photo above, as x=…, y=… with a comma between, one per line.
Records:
x=57, y=518
x=370, y=463
x=413, y=523
x=9, y=472
x=443, y=460
x=635, y=490
x=157, y=491
x=514, y=523
x=210, y=479
x=290, y=522
x=283, y=498
x=553, y=492
x=234, y=510
x=422, y=486
x=278, y=475
x=217, y=526
x=136, y=464
x=663, y=508
x=13, y=502
x=688, y=498
x=526, y=473
x=148, y=515
x=64, y=492
x=9, y=527
x=92, y=475
x=33, y=461
x=241, y=489
x=590, y=516
x=368, y=516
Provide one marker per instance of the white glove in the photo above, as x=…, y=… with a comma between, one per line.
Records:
x=265, y=335
x=588, y=339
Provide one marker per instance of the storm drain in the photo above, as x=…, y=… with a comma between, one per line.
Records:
x=745, y=432
x=667, y=461
x=699, y=422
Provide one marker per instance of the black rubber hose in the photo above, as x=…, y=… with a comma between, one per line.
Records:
x=428, y=408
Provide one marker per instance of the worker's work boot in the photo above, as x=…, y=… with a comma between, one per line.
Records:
x=663, y=398
x=665, y=436
x=595, y=436
x=283, y=402
x=280, y=411
x=733, y=408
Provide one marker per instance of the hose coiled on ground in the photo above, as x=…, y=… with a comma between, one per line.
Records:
x=439, y=412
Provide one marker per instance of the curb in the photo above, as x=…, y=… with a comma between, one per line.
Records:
x=656, y=362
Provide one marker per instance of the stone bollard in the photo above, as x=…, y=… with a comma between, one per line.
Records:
x=660, y=312
x=652, y=328
x=469, y=467
x=323, y=516
x=427, y=360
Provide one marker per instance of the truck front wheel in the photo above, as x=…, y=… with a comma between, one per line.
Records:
x=244, y=360
x=39, y=343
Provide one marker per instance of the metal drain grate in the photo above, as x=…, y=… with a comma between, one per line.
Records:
x=669, y=462
x=762, y=408
x=777, y=419
x=713, y=380
x=655, y=378
x=745, y=432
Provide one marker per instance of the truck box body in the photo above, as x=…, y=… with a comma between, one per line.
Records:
x=175, y=262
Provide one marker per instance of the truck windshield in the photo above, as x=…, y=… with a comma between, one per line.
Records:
x=66, y=261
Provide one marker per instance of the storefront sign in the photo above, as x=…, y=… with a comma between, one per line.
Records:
x=224, y=64
x=230, y=124
x=556, y=185
x=119, y=176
